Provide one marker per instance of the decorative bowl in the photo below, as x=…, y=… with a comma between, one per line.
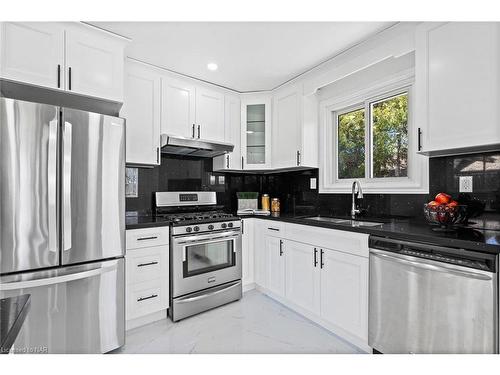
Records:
x=446, y=217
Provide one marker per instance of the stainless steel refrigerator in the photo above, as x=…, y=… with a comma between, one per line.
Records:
x=62, y=229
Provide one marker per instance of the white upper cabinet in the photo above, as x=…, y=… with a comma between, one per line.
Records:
x=141, y=109
x=256, y=132
x=32, y=53
x=94, y=64
x=232, y=134
x=178, y=108
x=209, y=114
x=287, y=142
x=302, y=276
x=295, y=129
x=67, y=56
x=457, y=82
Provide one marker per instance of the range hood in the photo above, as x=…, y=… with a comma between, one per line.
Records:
x=202, y=148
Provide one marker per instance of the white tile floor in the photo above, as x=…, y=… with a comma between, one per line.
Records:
x=255, y=324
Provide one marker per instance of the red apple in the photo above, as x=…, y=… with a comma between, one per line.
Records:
x=452, y=204
x=443, y=198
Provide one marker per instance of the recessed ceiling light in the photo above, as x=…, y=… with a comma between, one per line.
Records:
x=212, y=66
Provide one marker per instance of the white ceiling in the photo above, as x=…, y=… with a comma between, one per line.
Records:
x=251, y=56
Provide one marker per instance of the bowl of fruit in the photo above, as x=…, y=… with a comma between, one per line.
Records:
x=445, y=212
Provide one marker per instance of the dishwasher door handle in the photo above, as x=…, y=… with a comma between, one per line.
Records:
x=457, y=270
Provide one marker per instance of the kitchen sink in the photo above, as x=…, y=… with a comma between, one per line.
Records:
x=352, y=223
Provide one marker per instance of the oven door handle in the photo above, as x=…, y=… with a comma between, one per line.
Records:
x=210, y=294
x=204, y=238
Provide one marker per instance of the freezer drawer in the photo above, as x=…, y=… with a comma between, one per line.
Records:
x=424, y=306
x=79, y=309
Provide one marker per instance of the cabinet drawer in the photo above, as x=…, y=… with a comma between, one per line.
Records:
x=147, y=264
x=344, y=241
x=146, y=298
x=147, y=237
x=273, y=228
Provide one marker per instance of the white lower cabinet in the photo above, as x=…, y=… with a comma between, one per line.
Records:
x=302, y=276
x=247, y=250
x=328, y=286
x=275, y=265
x=344, y=292
x=147, y=275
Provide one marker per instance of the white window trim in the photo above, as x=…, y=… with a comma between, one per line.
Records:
x=417, y=181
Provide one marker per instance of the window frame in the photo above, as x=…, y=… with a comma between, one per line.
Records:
x=416, y=180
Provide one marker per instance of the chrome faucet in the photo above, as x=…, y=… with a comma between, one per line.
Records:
x=354, y=210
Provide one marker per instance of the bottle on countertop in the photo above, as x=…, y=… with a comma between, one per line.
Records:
x=265, y=203
x=275, y=205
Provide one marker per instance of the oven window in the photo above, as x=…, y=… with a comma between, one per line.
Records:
x=202, y=258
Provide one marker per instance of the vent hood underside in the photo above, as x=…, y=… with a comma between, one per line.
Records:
x=202, y=148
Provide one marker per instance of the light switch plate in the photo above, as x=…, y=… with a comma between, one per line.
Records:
x=313, y=183
x=465, y=184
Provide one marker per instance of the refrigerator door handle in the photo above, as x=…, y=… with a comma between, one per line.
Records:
x=24, y=284
x=52, y=185
x=67, y=139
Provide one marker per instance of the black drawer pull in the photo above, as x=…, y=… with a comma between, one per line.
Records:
x=145, y=298
x=275, y=229
x=147, y=238
x=147, y=264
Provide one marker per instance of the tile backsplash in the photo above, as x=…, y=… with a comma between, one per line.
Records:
x=293, y=188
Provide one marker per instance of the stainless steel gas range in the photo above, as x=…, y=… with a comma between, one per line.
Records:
x=205, y=252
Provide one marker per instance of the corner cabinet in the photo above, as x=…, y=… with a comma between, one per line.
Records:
x=256, y=132
x=141, y=109
x=67, y=56
x=457, y=75
x=232, y=134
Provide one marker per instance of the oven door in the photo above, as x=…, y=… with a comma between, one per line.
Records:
x=205, y=260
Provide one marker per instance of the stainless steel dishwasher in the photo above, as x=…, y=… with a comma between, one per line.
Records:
x=431, y=299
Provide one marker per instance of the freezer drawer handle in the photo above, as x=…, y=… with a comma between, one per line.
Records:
x=147, y=238
x=432, y=267
x=145, y=298
x=147, y=264
x=57, y=279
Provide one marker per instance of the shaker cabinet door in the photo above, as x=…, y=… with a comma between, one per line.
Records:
x=178, y=108
x=32, y=52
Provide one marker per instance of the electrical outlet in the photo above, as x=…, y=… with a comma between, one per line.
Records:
x=312, y=183
x=465, y=185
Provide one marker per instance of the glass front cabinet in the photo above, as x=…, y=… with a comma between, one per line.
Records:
x=256, y=132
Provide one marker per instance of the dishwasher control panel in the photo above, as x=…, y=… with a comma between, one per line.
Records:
x=446, y=259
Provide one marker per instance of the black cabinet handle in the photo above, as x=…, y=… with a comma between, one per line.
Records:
x=298, y=158
x=281, y=247
x=69, y=79
x=419, y=139
x=275, y=229
x=227, y=161
x=145, y=298
x=321, y=263
x=147, y=238
x=193, y=130
x=147, y=264
x=199, y=126
x=315, y=257
x=242, y=160
x=242, y=227
x=157, y=155
x=58, y=76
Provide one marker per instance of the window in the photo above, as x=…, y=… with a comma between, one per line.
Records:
x=372, y=138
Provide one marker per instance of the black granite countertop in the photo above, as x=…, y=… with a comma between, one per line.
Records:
x=471, y=238
x=145, y=221
x=484, y=240
x=13, y=312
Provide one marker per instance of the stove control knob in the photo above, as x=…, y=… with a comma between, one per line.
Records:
x=230, y=225
x=210, y=227
x=196, y=228
x=223, y=225
x=188, y=229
